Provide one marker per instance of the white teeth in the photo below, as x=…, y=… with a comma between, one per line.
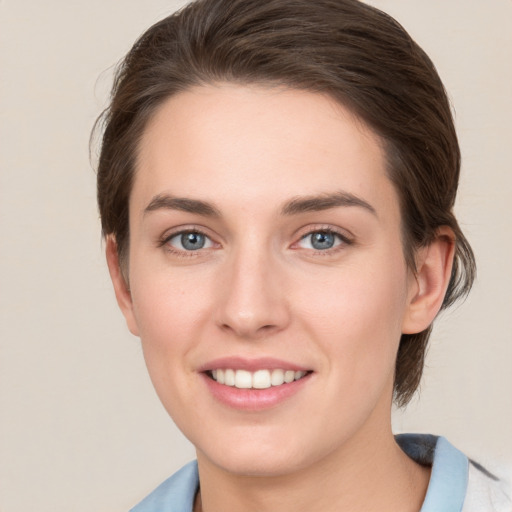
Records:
x=289, y=376
x=260, y=379
x=277, y=377
x=229, y=377
x=243, y=379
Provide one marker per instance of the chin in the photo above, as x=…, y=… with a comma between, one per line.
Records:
x=259, y=458
x=257, y=466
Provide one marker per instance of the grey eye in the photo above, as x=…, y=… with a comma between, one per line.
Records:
x=190, y=241
x=320, y=240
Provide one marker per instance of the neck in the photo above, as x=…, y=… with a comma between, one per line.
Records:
x=369, y=474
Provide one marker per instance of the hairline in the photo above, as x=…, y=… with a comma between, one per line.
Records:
x=147, y=114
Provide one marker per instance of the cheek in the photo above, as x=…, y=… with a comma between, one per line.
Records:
x=170, y=315
x=167, y=303
x=356, y=315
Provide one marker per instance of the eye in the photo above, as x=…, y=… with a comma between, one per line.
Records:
x=321, y=240
x=189, y=241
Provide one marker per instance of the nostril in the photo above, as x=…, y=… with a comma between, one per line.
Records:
x=247, y=330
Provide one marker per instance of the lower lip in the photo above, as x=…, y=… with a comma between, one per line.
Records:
x=254, y=399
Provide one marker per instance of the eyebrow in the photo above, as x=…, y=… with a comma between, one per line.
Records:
x=314, y=203
x=184, y=204
x=325, y=202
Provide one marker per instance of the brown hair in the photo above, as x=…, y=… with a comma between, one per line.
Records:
x=356, y=54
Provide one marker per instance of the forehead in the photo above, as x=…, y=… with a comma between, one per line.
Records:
x=258, y=146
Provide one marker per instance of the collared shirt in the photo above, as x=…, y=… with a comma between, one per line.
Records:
x=456, y=483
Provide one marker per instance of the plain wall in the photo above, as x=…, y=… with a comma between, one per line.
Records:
x=80, y=426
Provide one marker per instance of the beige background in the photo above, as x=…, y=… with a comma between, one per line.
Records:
x=80, y=426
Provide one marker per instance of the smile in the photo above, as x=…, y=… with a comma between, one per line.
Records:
x=260, y=379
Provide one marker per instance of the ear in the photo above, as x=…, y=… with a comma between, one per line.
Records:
x=121, y=288
x=428, y=285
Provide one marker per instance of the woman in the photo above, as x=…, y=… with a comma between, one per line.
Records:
x=276, y=185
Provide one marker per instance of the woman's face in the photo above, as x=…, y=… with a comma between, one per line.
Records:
x=265, y=246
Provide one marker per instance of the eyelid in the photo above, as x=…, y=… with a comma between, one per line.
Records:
x=345, y=237
x=344, y=234
x=168, y=235
x=178, y=236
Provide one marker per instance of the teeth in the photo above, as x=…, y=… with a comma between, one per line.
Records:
x=289, y=376
x=277, y=378
x=243, y=379
x=261, y=379
x=229, y=377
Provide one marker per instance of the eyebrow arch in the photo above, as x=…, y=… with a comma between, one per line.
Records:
x=325, y=202
x=168, y=202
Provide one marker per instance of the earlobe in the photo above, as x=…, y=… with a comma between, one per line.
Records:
x=121, y=289
x=433, y=270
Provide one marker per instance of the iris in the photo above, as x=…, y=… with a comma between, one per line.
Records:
x=192, y=241
x=322, y=240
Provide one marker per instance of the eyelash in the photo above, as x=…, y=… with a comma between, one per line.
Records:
x=164, y=242
x=343, y=239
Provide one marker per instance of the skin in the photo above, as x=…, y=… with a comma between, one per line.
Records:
x=259, y=289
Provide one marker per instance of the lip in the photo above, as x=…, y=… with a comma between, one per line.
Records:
x=251, y=365
x=253, y=399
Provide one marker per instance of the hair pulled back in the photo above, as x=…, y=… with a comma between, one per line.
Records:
x=356, y=54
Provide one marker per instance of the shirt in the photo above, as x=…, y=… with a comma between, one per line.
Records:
x=457, y=484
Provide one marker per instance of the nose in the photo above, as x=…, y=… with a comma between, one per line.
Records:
x=252, y=300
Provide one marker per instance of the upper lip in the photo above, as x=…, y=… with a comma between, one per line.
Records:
x=251, y=365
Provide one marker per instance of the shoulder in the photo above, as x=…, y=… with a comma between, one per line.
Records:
x=176, y=494
x=486, y=492
x=457, y=484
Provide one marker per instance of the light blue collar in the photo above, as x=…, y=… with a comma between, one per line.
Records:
x=450, y=469
x=446, y=490
x=176, y=494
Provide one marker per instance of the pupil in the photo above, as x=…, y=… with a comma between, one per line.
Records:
x=322, y=240
x=192, y=241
